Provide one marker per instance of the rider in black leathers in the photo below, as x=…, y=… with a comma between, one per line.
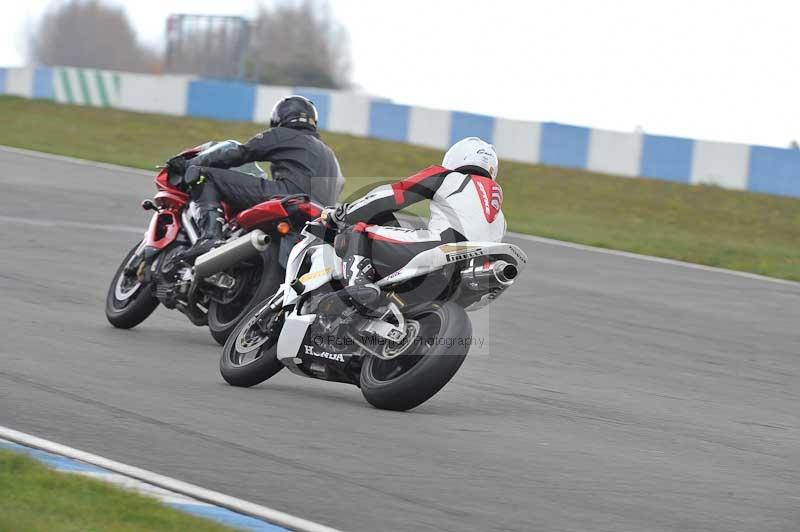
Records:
x=299, y=162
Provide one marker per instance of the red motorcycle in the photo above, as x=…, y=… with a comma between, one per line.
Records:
x=224, y=283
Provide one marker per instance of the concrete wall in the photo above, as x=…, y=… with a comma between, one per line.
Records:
x=153, y=94
x=736, y=166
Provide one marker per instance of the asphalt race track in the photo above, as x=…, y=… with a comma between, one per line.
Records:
x=619, y=394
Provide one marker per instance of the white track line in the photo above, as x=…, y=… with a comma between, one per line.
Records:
x=75, y=160
x=521, y=236
x=39, y=222
x=190, y=490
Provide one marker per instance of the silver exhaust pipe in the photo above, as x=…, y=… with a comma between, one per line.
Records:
x=505, y=272
x=483, y=282
x=493, y=275
x=231, y=253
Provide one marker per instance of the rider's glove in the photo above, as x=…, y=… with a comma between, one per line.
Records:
x=335, y=216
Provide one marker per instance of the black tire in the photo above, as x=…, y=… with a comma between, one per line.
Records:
x=265, y=363
x=431, y=363
x=126, y=313
x=223, y=319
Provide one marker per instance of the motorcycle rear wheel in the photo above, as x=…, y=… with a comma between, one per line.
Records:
x=223, y=319
x=128, y=302
x=432, y=359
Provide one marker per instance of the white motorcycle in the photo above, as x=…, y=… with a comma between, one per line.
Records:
x=400, y=351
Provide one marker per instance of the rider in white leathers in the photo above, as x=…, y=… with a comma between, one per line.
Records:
x=465, y=205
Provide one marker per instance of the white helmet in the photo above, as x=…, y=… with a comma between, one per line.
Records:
x=472, y=151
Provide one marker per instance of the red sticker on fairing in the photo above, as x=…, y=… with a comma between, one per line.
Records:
x=490, y=195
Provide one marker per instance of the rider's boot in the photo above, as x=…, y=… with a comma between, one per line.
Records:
x=361, y=280
x=210, y=236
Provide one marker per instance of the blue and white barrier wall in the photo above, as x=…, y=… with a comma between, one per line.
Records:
x=735, y=166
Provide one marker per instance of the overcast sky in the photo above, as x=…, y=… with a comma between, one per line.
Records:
x=715, y=69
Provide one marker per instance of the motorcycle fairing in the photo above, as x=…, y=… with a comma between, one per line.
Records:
x=293, y=333
x=163, y=229
x=324, y=267
x=168, y=183
x=309, y=354
x=263, y=213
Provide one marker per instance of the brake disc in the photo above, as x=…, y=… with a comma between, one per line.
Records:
x=395, y=349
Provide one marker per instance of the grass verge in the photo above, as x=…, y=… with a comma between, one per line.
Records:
x=35, y=498
x=702, y=224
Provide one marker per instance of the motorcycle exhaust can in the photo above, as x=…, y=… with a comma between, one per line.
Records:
x=482, y=283
x=498, y=274
x=231, y=253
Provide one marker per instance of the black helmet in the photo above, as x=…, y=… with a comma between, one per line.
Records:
x=294, y=111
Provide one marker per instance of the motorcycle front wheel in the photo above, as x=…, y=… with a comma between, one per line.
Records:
x=437, y=344
x=128, y=301
x=249, y=356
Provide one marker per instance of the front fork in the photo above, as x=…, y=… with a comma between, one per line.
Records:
x=136, y=266
x=189, y=223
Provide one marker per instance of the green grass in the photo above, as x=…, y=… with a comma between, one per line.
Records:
x=34, y=498
x=701, y=224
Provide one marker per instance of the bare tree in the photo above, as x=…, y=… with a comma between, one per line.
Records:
x=299, y=43
x=90, y=34
x=206, y=45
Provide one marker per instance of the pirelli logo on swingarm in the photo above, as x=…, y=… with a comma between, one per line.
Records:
x=324, y=354
x=455, y=253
